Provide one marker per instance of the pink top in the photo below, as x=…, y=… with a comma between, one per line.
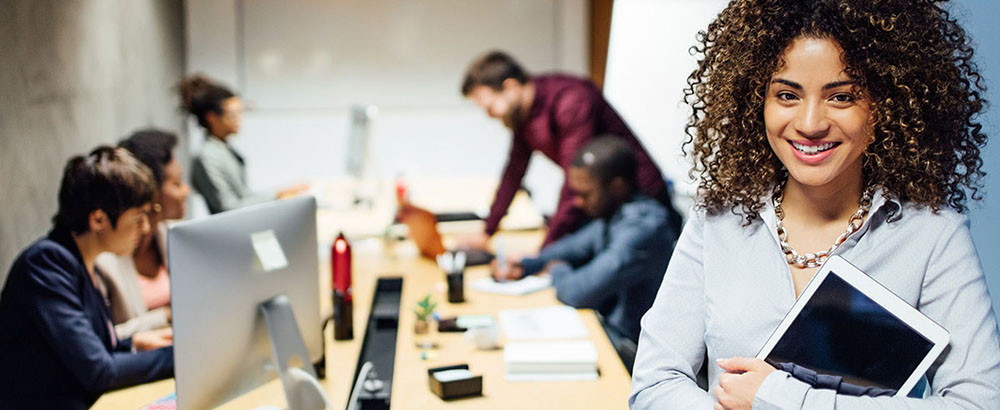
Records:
x=156, y=290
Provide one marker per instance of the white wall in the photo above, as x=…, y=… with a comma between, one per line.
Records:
x=648, y=66
x=301, y=68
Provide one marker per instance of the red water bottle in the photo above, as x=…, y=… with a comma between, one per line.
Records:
x=402, y=196
x=343, y=301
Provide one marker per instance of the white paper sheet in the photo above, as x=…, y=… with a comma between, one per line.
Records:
x=524, y=286
x=555, y=322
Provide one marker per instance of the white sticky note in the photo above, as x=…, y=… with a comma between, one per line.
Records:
x=268, y=250
x=471, y=321
x=445, y=376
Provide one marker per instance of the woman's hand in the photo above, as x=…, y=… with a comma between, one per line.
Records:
x=738, y=385
x=153, y=339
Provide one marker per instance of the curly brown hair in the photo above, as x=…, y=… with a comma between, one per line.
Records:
x=909, y=57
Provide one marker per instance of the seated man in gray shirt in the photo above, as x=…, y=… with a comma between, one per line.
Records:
x=615, y=263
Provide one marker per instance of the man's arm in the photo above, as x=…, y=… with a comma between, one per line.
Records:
x=575, y=249
x=566, y=220
x=575, y=122
x=630, y=255
x=510, y=182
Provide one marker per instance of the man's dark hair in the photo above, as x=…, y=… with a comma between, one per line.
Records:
x=109, y=179
x=201, y=95
x=154, y=148
x=492, y=70
x=608, y=157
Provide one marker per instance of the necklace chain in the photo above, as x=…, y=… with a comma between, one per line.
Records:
x=813, y=260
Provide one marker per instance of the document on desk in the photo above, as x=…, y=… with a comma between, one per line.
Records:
x=555, y=322
x=168, y=402
x=524, y=286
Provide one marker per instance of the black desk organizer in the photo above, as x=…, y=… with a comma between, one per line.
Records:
x=379, y=344
x=472, y=386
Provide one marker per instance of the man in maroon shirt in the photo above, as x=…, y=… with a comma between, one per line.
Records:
x=557, y=115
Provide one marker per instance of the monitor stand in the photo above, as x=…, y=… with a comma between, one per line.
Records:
x=302, y=390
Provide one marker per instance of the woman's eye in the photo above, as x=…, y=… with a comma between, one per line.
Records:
x=843, y=98
x=786, y=96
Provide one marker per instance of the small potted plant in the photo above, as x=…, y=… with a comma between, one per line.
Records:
x=424, y=310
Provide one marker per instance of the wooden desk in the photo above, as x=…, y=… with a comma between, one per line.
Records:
x=373, y=259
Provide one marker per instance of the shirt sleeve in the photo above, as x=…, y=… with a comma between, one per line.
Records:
x=574, y=112
x=630, y=252
x=575, y=249
x=966, y=376
x=575, y=121
x=58, y=313
x=510, y=182
x=153, y=319
x=567, y=218
x=671, y=343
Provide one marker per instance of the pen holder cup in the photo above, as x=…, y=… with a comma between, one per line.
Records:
x=456, y=287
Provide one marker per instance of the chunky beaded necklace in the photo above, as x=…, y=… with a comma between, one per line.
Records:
x=813, y=260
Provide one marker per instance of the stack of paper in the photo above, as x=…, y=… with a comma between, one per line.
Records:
x=565, y=360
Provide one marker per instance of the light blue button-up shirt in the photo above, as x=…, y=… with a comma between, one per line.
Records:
x=728, y=287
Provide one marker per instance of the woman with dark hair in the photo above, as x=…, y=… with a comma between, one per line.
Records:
x=218, y=172
x=819, y=128
x=58, y=348
x=137, y=284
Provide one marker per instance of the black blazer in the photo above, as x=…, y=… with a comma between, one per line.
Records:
x=58, y=349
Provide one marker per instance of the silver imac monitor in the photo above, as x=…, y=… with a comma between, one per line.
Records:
x=223, y=268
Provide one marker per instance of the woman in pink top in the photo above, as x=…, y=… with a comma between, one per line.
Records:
x=137, y=285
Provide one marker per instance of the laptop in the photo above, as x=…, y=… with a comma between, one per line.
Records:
x=422, y=225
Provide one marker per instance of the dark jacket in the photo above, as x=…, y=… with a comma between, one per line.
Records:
x=58, y=349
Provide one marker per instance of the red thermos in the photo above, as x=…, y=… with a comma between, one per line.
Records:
x=343, y=302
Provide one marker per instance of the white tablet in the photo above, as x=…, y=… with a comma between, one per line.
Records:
x=846, y=324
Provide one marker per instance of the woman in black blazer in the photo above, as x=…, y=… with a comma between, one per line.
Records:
x=58, y=348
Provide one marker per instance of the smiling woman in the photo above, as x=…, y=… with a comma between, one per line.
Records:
x=820, y=128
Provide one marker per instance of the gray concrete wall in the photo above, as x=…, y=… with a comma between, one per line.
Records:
x=76, y=74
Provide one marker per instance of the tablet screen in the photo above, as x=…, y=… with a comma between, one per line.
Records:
x=842, y=332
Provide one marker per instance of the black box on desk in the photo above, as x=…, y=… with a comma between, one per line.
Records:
x=472, y=386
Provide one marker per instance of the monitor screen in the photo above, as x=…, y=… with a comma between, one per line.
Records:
x=842, y=332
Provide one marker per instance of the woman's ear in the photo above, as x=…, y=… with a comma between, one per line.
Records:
x=211, y=117
x=98, y=221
